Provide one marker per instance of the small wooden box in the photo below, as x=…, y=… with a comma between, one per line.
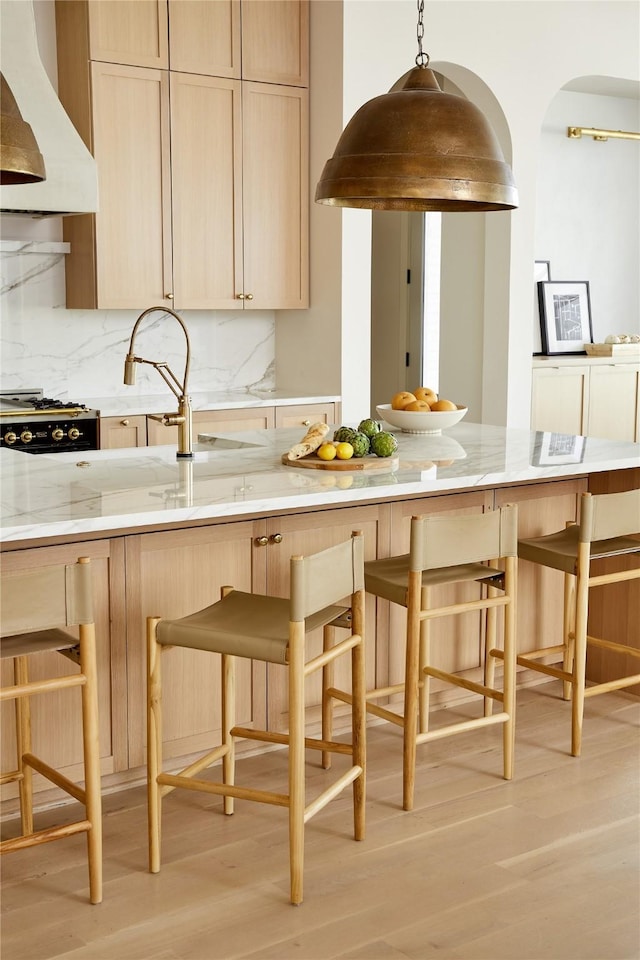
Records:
x=612, y=349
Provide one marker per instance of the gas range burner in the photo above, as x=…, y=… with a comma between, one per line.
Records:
x=37, y=424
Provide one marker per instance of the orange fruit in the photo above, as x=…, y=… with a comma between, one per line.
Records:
x=401, y=399
x=426, y=393
x=418, y=405
x=440, y=405
x=327, y=451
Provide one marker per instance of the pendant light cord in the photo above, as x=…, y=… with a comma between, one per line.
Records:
x=422, y=59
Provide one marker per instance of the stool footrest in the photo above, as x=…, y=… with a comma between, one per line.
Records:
x=457, y=681
x=336, y=787
x=270, y=736
x=41, y=686
x=616, y=647
x=371, y=707
x=611, y=685
x=45, y=836
x=54, y=776
x=224, y=789
x=462, y=727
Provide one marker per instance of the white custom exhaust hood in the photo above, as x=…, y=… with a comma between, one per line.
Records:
x=71, y=184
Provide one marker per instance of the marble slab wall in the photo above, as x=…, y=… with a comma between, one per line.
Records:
x=79, y=354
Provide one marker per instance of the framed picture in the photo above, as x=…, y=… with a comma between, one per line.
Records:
x=551, y=449
x=565, y=316
x=541, y=271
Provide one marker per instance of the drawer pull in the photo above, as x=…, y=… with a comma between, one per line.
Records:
x=124, y=423
x=306, y=423
x=276, y=538
x=261, y=541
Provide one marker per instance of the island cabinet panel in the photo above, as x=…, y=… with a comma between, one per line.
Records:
x=301, y=535
x=56, y=717
x=542, y=508
x=170, y=575
x=456, y=641
x=304, y=414
x=121, y=432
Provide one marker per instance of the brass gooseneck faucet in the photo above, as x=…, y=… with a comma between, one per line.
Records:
x=182, y=419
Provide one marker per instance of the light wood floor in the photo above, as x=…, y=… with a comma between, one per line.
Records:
x=544, y=867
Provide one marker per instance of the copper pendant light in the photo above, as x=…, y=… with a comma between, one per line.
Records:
x=21, y=160
x=417, y=148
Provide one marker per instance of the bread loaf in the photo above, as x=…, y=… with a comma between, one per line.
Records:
x=310, y=442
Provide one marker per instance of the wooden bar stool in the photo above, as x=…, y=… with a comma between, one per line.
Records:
x=608, y=526
x=35, y=605
x=270, y=629
x=446, y=550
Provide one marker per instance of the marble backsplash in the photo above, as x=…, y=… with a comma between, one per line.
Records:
x=78, y=354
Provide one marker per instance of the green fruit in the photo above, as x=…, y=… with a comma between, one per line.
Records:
x=360, y=444
x=344, y=434
x=384, y=444
x=369, y=427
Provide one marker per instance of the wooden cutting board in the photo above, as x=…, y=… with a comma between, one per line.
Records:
x=313, y=462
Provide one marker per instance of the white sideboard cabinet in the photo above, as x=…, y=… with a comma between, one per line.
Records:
x=588, y=396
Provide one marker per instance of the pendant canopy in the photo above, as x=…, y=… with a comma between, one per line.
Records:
x=417, y=148
x=21, y=160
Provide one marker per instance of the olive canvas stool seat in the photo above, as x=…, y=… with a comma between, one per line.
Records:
x=447, y=550
x=37, y=606
x=324, y=587
x=608, y=526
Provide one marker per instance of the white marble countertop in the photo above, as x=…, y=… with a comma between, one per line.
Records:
x=70, y=495
x=133, y=404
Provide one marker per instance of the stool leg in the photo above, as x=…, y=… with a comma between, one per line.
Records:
x=411, y=691
x=509, y=679
x=490, y=634
x=424, y=689
x=228, y=670
x=569, y=628
x=23, y=745
x=91, y=744
x=580, y=653
x=358, y=717
x=296, y=760
x=327, y=702
x=154, y=741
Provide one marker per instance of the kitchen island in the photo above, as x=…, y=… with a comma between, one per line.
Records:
x=165, y=535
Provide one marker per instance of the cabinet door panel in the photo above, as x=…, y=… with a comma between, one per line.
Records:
x=275, y=203
x=559, y=399
x=275, y=41
x=129, y=31
x=207, y=191
x=56, y=716
x=133, y=255
x=302, y=415
x=175, y=574
x=205, y=37
x=121, y=432
x=613, y=402
x=303, y=535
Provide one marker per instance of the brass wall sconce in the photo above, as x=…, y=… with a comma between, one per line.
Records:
x=576, y=133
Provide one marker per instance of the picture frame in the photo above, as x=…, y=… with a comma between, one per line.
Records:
x=541, y=271
x=555, y=449
x=565, y=316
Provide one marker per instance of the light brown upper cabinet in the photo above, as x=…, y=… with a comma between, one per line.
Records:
x=134, y=33
x=203, y=179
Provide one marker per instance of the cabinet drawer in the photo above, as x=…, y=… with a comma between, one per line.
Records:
x=302, y=415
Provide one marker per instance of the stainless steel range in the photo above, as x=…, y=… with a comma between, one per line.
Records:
x=36, y=424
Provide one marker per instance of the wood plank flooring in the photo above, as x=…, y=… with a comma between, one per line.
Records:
x=543, y=868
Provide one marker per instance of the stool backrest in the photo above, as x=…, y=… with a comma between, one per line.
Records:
x=56, y=596
x=448, y=541
x=607, y=515
x=324, y=578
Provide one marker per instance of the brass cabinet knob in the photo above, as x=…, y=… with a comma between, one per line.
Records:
x=74, y=433
x=124, y=423
x=276, y=538
x=57, y=434
x=305, y=423
x=169, y=296
x=249, y=296
x=261, y=541
x=240, y=296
